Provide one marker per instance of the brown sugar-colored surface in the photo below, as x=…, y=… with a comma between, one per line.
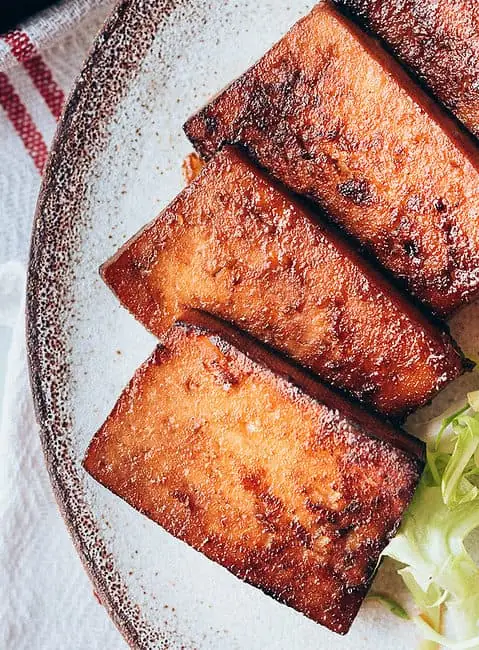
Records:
x=284, y=491
x=438, y=40
x=335, y=118
x=191, y=167
x=236, y=245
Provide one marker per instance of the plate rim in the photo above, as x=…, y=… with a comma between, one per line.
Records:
x=113, y=26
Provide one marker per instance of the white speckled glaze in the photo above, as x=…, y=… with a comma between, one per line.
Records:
x=116, y=162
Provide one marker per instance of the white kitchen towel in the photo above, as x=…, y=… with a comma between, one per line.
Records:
x=46, y=599
x=51, y=25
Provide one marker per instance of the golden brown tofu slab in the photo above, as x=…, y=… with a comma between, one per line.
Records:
x=292, y=493
x=438, y=40
x=236, y=245
x=334, y=117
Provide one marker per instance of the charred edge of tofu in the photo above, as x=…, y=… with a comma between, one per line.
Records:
x=277, y=484
x=238, y=245
x=261, y=354
x=436, y=41
x=424, y=233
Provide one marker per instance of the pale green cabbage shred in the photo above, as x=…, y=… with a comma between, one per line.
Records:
x=437, y=569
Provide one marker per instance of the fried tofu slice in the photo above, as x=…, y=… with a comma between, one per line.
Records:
x=236, y=245
x=282, y=482
x=438, y=40
x=334, y=117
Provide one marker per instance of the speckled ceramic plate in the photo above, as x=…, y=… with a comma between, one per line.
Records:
x=115, y=163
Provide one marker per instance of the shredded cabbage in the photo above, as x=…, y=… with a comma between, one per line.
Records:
x=437, y=569
x=393, y=606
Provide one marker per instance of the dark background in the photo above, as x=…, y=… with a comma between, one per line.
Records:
x=14, y=11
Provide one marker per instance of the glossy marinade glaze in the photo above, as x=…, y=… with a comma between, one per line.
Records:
x=238, y=246
x=437, y=39
x=334, y=117
x=285, y=491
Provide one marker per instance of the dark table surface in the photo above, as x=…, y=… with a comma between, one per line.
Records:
x=14, y=11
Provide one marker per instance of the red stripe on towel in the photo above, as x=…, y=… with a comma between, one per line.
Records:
x=23, y=123
x=24, y=50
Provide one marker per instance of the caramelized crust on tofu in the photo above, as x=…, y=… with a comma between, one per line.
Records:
x=236, y=245
x=191, y=167
x=283, y=490
x=335, y=118
x=438, y=40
